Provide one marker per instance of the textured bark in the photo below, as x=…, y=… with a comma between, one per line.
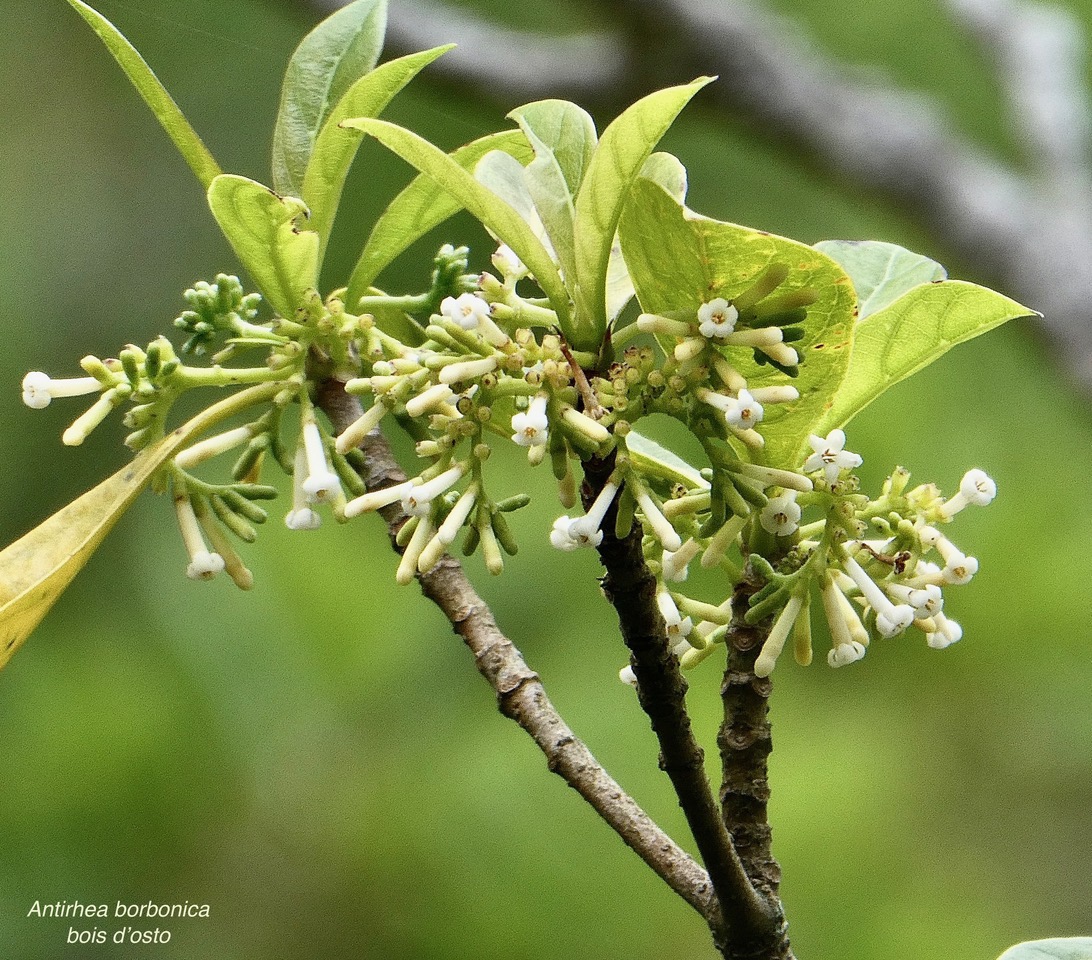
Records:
x=751, y=922
x=745, y=743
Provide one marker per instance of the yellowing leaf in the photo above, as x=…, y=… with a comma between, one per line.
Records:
x=36, y=569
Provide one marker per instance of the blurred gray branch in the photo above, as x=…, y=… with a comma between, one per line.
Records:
x=1028, y=231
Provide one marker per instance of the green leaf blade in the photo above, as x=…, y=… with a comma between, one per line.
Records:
x=909, y=334
x=622, y=151
x=566, y=131
x=711, y=259
x=328, y=61
x=154, y=94
x=281, y=259
x=336, y=146
x=420, y=207
x=482, y=203
x=881, y=272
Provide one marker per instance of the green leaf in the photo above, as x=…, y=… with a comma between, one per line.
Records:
x=710, y=259
x=281, y=259
x=336, y=146
x=504, y=222
x=565, y=130
x=552, y=198
x=881, y=272
x=504, y=176
x=1062, y=948
x=911, y=333
x=329, y=60
x=669, y=173
x=654, y=460
x=166, y=111
x=622, y=152
x=423, y=205
x=36, y=569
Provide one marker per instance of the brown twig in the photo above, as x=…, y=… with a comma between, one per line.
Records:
x=745, y=743
x=520, y=693
x=631, y=587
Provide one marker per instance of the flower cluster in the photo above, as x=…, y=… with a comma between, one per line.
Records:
x=879, y=566
x=475, y=363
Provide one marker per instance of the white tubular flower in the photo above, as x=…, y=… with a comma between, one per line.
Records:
x=507, y=263
x=653, y=323
x=775, y=642
x=846, y=629
x=204, y=564
x=745, y=411
x=781, y=353
x=627, y=676
x=428, y=400
x=82, y=426
x=377, y=499
x=676, y=563
x=958, y=567
x=946, y=633
x=830, y=456
x=301, y=516
x=729, y=375
x=561, y=538
x=467, y=370
x=772, y=477
x=531, y=429
x=891, y=619
x=466, y=310
x=584, y=531
x=689, y=348
x=454, y=521
x=661, y=526
x=926, y=574
x=741, y=412
x=417, y=500
x=213, y=446
x=40, y=389
x=762, y=338
x=678, y=626
x=775, y=394
x=927, y=600
x=781, y=515
x=354, y=434
x=845, y=654
x=407, y=567
x=321, y=483
x=302, y=519
x=976, y=488
x=582, y=423
x=717, y=318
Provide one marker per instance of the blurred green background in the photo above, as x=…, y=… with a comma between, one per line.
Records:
x=319, y=761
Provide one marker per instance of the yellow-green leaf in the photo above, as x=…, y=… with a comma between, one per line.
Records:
x=504, y=222
x=260, y=226
x=336, y=146
x=617, y=162
x=424, y=204
x=328, y=61
x=909, y=334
